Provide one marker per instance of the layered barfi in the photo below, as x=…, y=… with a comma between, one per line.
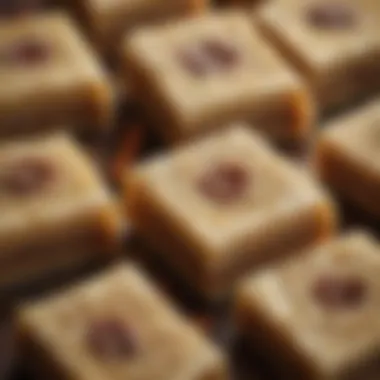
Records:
x=334, y=44
x=316, y=316
x=348, y=157
x=115, y=326
x=49, y=76
x=192, y=76
x=225, y=205
x=56, y=212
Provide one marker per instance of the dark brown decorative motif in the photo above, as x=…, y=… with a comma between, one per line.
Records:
x=340, y=292
x=331, y=15
x=112, y=339
x=28, y=52
x=225, y=182
x=209, y=57
x=27, y=176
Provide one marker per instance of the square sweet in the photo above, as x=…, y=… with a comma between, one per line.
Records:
x=108, y=21
x=50, y=78
x=333, y=43
x=56, y=213
x=112, y=327
x=192, y=76
x=348, y=157
x=317, y=315
x=222, y=206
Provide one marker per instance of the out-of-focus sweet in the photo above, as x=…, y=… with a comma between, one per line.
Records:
x=56, y=212
x=108, y=21
x=348, y=157
x=50, y=77
x=220, y=207
x=335, y=44
x=316, y=316
x=115, y=326
x=195, y=75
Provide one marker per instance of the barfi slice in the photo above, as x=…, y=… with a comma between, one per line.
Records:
x=50, y=77
x=56, y=214
x=333, y=43
x=108, y=21
x=192, y=76
x=221, y=206
x=318, y=314
x=115, y=326
x=348, y=157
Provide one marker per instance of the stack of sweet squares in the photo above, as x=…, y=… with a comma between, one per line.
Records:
x=226, y=85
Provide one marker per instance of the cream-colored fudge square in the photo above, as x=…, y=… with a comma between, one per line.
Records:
x=348, y=157
x=195, y=75
x=116, y=326
x=319, y=311
x=334, y=44
x=221, y=206
x=56, y=212
x=108, y=21
x=49, y=77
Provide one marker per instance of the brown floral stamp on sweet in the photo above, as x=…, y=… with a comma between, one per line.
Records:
x=209, y=56
x=340, y=292
x=332, y=15
x=112, y=339
x=26, y=52
x=27, y=176
x=224, y=182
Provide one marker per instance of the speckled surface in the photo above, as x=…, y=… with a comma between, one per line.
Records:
x=215, y=320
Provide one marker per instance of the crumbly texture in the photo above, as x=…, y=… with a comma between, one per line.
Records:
x=69, y=220
x=259, y=87
x=169, y=347
x=282, y=209
x=320, y=341
x=69, y=87
x=339, y=63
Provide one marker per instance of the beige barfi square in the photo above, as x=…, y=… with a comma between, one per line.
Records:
x=221, y=206
x=49, y=76
x=56, y=213
x=334, y=44
x=192, y=76
x=348, y=157
x=318, y=314
x=116, y=326
x=108, y=21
